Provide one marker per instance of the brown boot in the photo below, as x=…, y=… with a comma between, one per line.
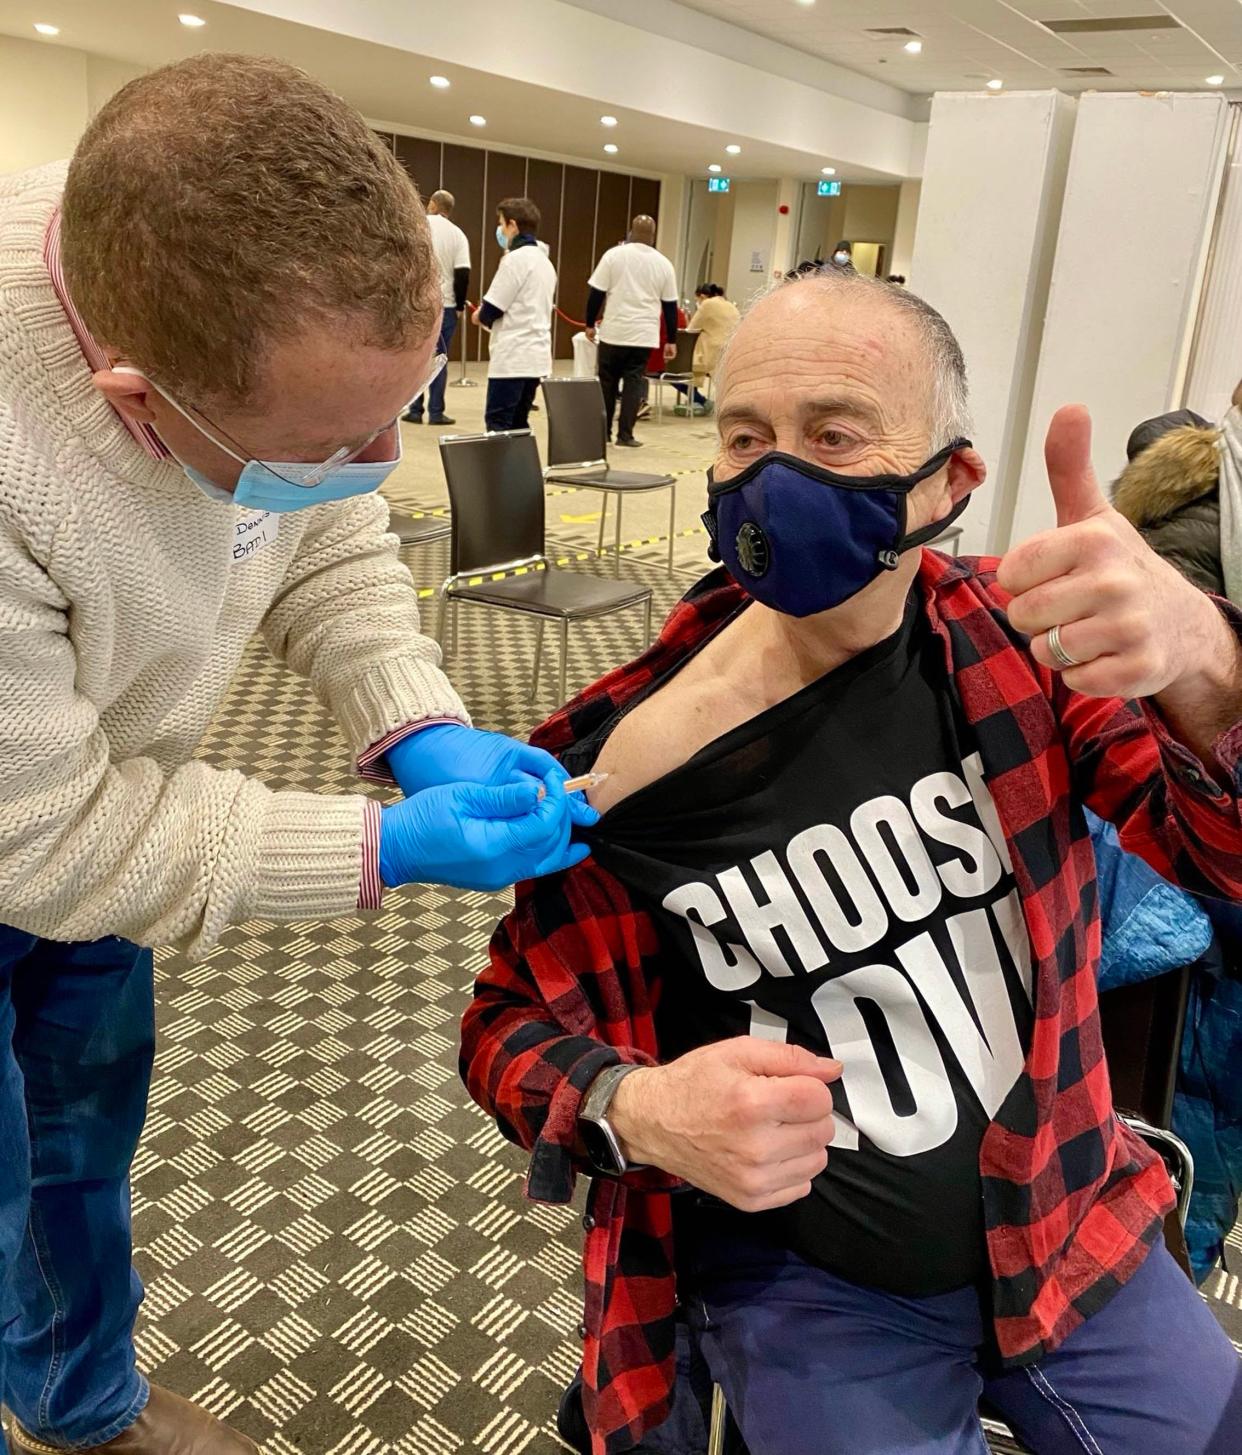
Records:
x=169, y=1425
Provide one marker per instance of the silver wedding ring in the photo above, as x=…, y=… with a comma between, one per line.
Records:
x=1059, y=655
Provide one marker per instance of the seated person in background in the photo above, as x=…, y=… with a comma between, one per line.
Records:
x=1182, y=488
x=843, y=893
x=714, y=320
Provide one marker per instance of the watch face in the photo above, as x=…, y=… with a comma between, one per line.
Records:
x=600, y=1149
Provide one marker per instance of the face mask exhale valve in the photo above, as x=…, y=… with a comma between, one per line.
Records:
x=802, y=539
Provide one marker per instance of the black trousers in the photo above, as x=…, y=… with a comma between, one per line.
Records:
x=622, y=368
x=509, y=402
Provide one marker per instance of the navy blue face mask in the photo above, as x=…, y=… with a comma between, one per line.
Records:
x=802, y=539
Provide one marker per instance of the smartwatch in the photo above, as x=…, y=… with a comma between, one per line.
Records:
x=600, y=1142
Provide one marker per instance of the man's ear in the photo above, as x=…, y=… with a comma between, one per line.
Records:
x=967, y=472
x=130, y=393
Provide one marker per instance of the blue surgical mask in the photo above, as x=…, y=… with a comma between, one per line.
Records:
x=802, y=539
x=502, y=239
x=282, y=486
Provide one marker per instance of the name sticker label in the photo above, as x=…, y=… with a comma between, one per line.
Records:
x=253, y=532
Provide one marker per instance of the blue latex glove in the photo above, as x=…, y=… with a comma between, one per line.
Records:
x=476, y=837
x=451, y=753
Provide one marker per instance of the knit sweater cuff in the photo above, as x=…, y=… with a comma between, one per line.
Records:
x=310, y=857
x=398, y=693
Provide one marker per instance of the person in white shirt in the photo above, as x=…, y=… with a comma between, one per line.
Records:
x=452, y=250
x=517, y=308
x=638, y=284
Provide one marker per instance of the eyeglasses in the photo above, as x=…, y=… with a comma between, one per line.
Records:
x=307, y=475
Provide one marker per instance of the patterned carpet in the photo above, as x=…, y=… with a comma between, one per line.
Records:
x=336, y=1251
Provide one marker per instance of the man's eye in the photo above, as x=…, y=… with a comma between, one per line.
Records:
x=835, y=439
x=743, y=441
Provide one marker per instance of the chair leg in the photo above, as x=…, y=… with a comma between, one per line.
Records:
x=534, y=681
x=564, y=660
x=603, y=520
x=616, y=570
x=672, y=525
x=716, y=1435
x=647, y=623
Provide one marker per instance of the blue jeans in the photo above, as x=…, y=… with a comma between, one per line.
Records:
x=435, y=390
x=77, y=1040
x=813, y=1365
x=508, y=403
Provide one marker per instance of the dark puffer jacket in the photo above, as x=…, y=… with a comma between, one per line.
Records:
x=1171, y=492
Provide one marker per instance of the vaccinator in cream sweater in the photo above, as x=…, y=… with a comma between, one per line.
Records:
x=123, y=616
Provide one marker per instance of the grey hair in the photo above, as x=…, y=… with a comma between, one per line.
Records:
x=950, y=396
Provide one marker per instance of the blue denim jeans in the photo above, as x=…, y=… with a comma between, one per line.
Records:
x=77, y=1039
x=435, y=391
x=813, y=1365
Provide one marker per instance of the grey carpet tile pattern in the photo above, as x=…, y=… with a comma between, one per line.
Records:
x=337, y=1253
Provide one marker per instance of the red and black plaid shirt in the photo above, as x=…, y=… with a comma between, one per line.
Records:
x=1072, y=1200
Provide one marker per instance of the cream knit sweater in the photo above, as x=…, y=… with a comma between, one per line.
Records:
x=122, y=620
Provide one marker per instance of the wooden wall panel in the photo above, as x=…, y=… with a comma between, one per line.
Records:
x=463, y=176
x=577, y=248
x=422, y=160
x=645, y=197
x=544, y=183
x=612, y=219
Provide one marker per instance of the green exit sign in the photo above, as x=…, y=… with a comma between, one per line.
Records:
x=717, y=184
x=828, y=189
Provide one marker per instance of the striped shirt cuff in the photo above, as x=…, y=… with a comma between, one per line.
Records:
x=371, y=886
x=371, y=765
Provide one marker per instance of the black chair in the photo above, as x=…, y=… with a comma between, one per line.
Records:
x=578, y=455
x=421, y=530
x=497, y=549
x=678, y=370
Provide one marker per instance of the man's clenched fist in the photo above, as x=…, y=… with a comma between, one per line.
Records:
x=747, y=1120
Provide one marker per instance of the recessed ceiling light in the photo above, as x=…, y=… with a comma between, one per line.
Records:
x=47, y=29
x=611, y=147
x=441, y=83
x=1215, y=80
x=995, y=85
x=807, y=3
x=828, y=171
x=192, y=22
x=478, y=121
x=608, y=121
x=914, y=47
x=714, y=167
x=733, y=149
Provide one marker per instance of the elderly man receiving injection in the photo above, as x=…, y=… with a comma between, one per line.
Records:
x=819, y=1016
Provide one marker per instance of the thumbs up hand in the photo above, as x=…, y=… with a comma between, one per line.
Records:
x=1126, y=622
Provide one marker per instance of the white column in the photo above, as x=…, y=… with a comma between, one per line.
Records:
x=1140, y=201
x=904, y=233
x=671, y=225
x=1216, y=362
x=752, y=238
x=785, y=236
x=987, y=221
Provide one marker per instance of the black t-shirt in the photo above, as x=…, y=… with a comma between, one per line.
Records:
x=833, y=873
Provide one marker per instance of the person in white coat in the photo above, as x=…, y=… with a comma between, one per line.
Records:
x=517, y=308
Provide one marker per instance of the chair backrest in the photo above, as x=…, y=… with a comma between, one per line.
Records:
x=495, y=487
x=683, y=360
x=577, y=427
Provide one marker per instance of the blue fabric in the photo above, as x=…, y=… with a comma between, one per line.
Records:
x=813, y=1365
x=508, y=403
x=77, y=1039
x=1150, y=927
x=435, y=391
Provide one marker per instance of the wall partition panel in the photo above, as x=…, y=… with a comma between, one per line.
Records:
x=1140, y=202
x=645, y=197
x=506, y=177
x=1216, y=360
x=464, y=175
x=578, y=251
x=422, y=159
x=612, y=219
x=987, y=225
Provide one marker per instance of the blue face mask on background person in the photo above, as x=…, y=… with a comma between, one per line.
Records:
x=502, y=239
x=802, y=539
x=282, y=486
